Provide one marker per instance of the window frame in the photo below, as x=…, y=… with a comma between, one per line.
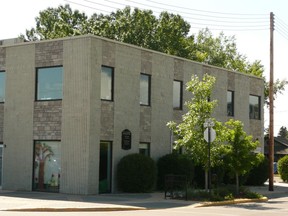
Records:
x=34, y=186
x=36, y=83
x=181, y=95
x=4, y=89
x=149, y=90
x=148, y=148
x=112, y=83
x=232, y=103
x=252, y=114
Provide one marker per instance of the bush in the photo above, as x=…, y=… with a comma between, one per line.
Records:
x=259, y=173
x=175, y=164
x=136, y=173
x=283, y=168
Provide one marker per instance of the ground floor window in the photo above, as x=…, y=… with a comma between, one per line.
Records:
x=47, y=166
x=144, y=148
x=1, y=159
x=105, y=167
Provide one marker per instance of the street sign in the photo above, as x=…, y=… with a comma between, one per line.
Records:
x=212, y=134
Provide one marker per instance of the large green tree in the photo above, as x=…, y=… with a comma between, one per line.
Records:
x=283, y=132
x=190, y=132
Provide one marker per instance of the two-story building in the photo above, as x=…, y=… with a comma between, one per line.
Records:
x=71, y=108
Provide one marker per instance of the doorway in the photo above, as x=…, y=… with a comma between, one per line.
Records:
x=1, y=162
x=105, y=167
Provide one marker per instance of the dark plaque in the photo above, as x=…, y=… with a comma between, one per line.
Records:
x=126, y=139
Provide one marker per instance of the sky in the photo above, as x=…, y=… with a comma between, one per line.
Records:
x=247, y=20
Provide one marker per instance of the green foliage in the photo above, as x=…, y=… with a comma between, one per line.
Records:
x=283, y=168
x=175, y=164
x=239, y=157
x=259, y=174
x=136, y=173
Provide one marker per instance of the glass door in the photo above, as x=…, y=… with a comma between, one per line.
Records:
x=105, y=167
x=1, y=159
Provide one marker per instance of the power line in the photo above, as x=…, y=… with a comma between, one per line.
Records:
x=213, y=12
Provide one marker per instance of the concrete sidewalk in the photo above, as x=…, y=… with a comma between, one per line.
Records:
x=39, y=201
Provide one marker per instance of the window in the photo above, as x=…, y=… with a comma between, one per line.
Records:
x=49, y=83
x=47, y=166
x=254, y=107
x=107, y=74
x=144, y=148
x=1, y=155
x=230, y=103
x=177, y=94
x=145, y=89
x=2, y=86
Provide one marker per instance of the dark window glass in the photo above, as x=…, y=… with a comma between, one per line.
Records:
x=49, y=83
x=145, y=89
x=230, y=103
x=177, y=94
x=144, y=148
x=254, y=107
x=107, y=83
x=2, y=86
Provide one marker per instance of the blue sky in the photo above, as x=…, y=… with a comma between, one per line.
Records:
x=16, y=16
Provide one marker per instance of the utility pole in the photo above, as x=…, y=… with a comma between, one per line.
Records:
x=271, y=106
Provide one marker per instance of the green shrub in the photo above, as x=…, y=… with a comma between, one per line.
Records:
x=136, y=173
x=175, y=164
x=283, y=168
x=259, y=173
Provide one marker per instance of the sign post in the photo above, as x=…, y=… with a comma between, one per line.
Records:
x=209, y=136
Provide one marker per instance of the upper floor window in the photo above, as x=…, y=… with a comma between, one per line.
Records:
x=254, y=107
x=177, y=94
x=107, y=74
x=49, y=83
x=145, y=81
x=230, y=103
x=2, y=86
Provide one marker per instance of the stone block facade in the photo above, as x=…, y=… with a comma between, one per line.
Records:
x=85, y=132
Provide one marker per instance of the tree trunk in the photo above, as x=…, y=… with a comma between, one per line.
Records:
x=206, y=180
x=41, y=175
x=237, y=183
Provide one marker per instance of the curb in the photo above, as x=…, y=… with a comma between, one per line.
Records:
x=99, y=209
x=231, y=202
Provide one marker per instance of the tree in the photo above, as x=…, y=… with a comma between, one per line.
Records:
x=283, y=132
x=190, y=131
x=239, y=157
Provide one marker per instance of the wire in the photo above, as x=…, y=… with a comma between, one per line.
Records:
x=214, y=12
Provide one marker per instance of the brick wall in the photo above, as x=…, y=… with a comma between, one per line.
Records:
x=47, y=120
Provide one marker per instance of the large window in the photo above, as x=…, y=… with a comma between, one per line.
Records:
x=230, y=103
x=2, y=86
x=47, y=166
x=144, y=148
x=254, y=107
x=145, y=81
x=107, y=83
x=1, y=154
x=49, y=83
x=177, y=94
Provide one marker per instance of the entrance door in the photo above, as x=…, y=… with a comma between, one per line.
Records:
x=105, y=167
x=1, y=159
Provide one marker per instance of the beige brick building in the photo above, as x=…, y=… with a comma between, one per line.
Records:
x=71, y=108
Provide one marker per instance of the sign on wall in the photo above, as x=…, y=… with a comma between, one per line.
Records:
x=126, y=139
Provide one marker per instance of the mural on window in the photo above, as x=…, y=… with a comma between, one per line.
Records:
x=47, y=166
